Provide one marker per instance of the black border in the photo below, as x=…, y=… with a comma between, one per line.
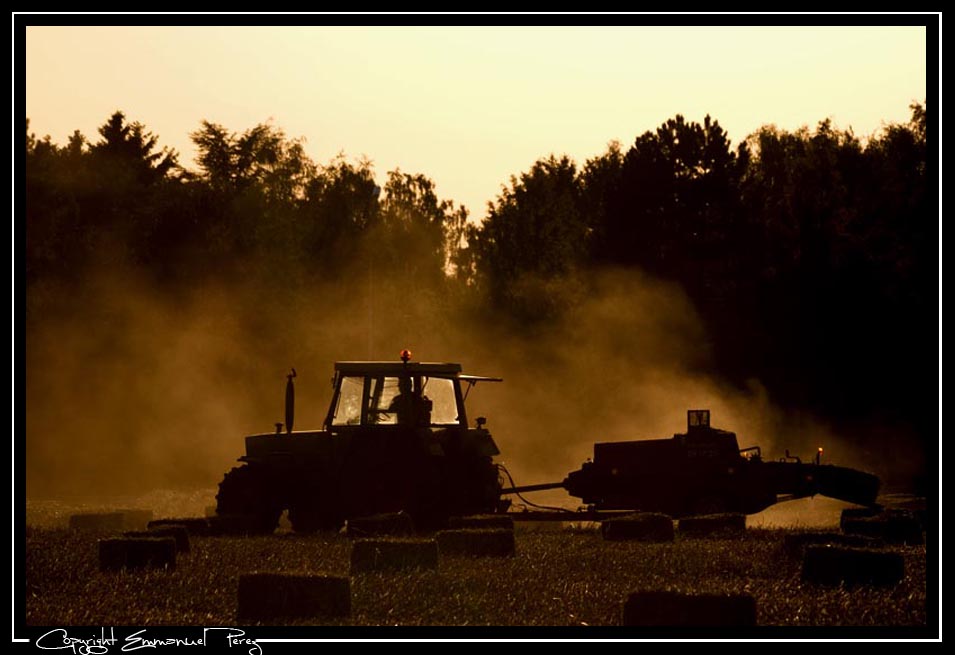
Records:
x=932, y=22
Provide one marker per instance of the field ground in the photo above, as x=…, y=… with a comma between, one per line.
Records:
x=561, y=574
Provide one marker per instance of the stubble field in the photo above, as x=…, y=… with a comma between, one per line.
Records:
x=559, y=575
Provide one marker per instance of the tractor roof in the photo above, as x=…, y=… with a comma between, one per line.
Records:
x=393, y=368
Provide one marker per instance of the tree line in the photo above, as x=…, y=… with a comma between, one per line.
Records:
x=811, y=255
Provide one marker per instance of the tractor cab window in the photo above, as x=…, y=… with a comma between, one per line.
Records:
x=348, y=409
x=396, y=400
x=697, y=418
x=444, y=403
x=389, y=397
x=411, y=400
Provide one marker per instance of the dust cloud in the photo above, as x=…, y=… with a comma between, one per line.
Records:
x=624, y=364
x=131, y=389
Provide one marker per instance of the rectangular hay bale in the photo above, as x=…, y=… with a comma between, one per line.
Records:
x=97, y=522
x=137, y=552
x=795, y=544
x=475, y=543
x=178, y=532
x=199, y=527
x=643, y=526
x=869, y=526
x=712, y=525
x=904, y=527
x=832, y=565
x=857, y=513
x=666, y=608
x=264, y=596
x=894, y=528
x=112, y=554
x=393, y=554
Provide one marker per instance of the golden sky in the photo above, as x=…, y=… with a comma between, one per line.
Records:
x=468, y=106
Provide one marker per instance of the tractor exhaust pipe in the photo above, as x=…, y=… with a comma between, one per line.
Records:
x=289, y=402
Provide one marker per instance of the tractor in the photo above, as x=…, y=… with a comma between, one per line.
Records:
x=396, y=438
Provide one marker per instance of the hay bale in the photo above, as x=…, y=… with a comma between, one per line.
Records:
x=137, y=552
x=905, y=526
x=112, y=554
x=97, y=522
x=869, y=526
x=153, y=552
x=136, y=519
x=210, y=510
x=481, y=522
x=857, y=513
x=475, y=543
x=795, y=544
x=264, y=596
x=393, y=554
x=911, y=506
x=643, y=526
x=897, y=527
x=379, y=525
x=199, y=527
x=177, y=532
x=666, y=608
x=832, y=565
x=712, y=525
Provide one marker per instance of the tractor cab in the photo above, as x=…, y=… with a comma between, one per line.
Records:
x=417, y=394
x=395, y=438
x=421, y=401
x=425, y=395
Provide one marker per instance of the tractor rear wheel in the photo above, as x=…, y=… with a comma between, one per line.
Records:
x=245, y=502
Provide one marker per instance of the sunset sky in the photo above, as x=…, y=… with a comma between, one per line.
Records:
x=468, y=106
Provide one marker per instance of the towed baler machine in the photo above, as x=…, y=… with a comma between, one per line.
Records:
x=701, y=471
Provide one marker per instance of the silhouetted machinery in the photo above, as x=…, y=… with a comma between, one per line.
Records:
x=396, y=438
x=703, y=471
